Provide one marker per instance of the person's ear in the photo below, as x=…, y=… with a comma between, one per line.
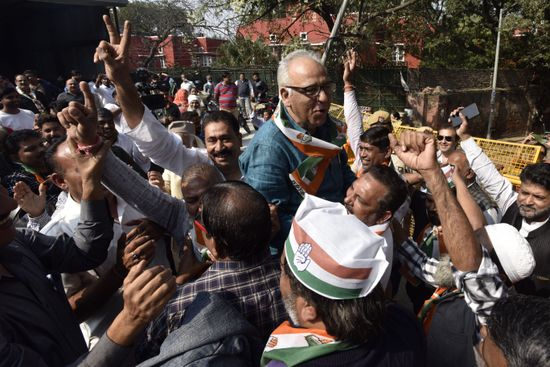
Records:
x=285, y=93
x=386, y=216
x=307, y=312
x=59, y=181
x=470, y=174
x=388, y=153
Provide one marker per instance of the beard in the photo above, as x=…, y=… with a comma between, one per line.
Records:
x=530, y=213
x=290, y=307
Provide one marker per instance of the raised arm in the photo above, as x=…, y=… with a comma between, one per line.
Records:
x=352, y=114
x=496, y=185
x=417, y=151
x=116, y=58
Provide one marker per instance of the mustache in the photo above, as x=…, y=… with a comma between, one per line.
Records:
x=222, y=153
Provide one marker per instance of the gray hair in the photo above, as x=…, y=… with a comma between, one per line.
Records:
x=282, y=72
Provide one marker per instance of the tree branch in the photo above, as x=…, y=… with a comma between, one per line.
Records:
x=387, y=11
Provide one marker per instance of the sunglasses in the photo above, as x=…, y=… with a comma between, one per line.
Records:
x=447, y=138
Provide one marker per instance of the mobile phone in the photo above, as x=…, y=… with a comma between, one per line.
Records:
x=469, y=112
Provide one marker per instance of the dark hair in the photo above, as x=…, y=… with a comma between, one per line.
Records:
x=222, y=116
x=226, y=74
x=5, y=91
x=238, y=218
x=396, y=188
x=204, y=171
x=447, y=126
x=357, y=320
x=44, y=118
x=520, y=327
x=189, y=116
x=15, y=138
x=49, y=156
x=30, y=72
x=256, y=73
x=377, y=136
x=104, y=114
x=538, y=173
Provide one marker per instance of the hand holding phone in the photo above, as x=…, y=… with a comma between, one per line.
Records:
x=469, y=112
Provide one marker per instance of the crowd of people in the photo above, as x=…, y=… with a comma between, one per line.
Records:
x=134, y=235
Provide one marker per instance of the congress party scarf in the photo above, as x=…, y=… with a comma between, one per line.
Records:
x=291, y=346
x=309, y=174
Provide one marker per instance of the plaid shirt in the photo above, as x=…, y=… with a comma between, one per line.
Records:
x=481, y=289
x=252, y=288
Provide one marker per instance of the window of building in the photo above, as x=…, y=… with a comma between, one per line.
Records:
x=163, y=63
x=303, y=36
x=160, y=50
x=273, y=38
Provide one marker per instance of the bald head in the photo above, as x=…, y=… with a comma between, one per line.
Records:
x=458, y=159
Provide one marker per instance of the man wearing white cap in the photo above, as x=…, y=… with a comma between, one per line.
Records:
x=475, y=272
x=330, y=282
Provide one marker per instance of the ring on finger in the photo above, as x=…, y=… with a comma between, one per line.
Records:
x=135, y=256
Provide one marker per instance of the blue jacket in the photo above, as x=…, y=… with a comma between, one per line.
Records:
x=270, y=158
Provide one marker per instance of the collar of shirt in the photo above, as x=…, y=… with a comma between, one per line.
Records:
x=236, y=265
x=527, y=228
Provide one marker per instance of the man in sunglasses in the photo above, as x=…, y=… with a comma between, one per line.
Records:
x=299, y=152
x=446, y=143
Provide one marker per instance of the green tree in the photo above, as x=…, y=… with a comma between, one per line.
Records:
x=243, y=51
x=157, y=19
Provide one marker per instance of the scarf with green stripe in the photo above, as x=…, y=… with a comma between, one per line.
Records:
x=309, y=174
x=291, y=346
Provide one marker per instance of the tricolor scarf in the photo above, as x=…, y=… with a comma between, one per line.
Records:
x=309, y=174
x=291, y=346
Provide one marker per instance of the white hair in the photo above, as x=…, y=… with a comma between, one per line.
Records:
x=282, y=72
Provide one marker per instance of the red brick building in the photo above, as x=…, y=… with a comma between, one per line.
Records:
x=311, y=29
x=175, y=51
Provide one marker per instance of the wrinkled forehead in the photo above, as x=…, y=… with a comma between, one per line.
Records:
x=306, y=71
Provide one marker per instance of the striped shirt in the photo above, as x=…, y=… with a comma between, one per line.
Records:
x=226, y=95
x=481, y=289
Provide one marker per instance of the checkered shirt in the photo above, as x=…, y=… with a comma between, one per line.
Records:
x=252, y=288
x=481, y=288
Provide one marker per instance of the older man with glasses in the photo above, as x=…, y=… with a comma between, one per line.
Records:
x=299, y=151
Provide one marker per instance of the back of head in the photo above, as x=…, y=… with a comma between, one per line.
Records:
x=520, y=326
x=283, y=77
x=397, y=188
x=222, y=116
x=205, y=172
x=238, y=218
x=538, y=173
x=377, y=136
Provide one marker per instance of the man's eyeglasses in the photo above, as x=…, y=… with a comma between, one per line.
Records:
x=447, y=138
x=314, y=90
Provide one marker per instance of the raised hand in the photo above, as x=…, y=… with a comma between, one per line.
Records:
x=114, y=54
x=301, y=257
x=349, y=66
x=146, y=292
x=81, y=121
x=416, y=150
x=27, y=200
x=462, y=131
x=137, y=249
x=90, y=167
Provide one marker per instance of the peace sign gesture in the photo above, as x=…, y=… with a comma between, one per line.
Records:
x=114, y=53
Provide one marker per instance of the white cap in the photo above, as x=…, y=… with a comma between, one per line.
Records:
x=513, y=251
